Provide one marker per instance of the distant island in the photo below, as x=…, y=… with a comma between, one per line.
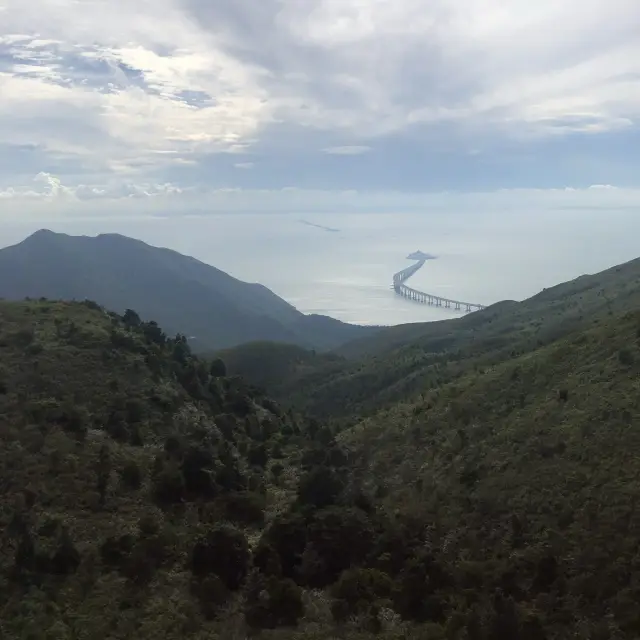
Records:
x=319, y=226
x=420, y=255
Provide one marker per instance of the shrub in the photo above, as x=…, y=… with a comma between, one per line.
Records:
x=218, y=369
x=131, y=318
x=224, y=552
x=168, y=485
x=273, y=602
x=114, y=550
x=131, y=476
x=211, y=593
x=258, y=456
x=245, y=507
x=287, y=534
x=135, y=410
x=23, y=337
x=66, y=558
x=358, y=588
x=197, y=469
x=337, y=539
x=266, y=559
x=320, y=488
x=626, y=357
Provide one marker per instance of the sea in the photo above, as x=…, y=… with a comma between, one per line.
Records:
x=342, y=264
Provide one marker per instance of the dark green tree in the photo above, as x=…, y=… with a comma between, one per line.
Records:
x=319, y=488
x=273, y=602
x=131, y=318
x=218, y=368
x=224, y=552
x=66, y=558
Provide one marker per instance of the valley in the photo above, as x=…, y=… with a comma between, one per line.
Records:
x=467, y=478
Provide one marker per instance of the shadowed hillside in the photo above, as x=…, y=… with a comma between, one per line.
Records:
x=181, y=293
x=527, y=475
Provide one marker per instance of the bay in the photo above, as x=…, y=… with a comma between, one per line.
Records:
x=482, y=257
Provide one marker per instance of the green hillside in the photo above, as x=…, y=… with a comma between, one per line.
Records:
x=525, y=474
x=399, y=362
x=120, y=453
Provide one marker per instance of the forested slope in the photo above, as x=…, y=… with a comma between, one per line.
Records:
x=399, y=362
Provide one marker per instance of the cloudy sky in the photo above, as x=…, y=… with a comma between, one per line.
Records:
x=315, y=103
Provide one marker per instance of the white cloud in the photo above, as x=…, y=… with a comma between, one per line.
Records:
x=126, y=87
x=48, y=196
x=244, y=165
x=49, y=190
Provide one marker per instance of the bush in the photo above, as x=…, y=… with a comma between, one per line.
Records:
x=245, y=507
x=131, y=318
x=358, y=588
x=273, y=602
x=224, y=552
x=337, y=539
x=66, y=558
x=114, y=551
x=135, y=410
x=258, y=456
x=197, y=469
x=24, y=337
x=211, y=593
x=626, y=357
x=288, y=537
x=131, y=476
x=266, y=559
x=417, y=597
x=218, y=369
x=320, y=488
x=169, y=486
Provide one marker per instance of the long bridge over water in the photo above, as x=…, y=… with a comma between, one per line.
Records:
x=420, y=297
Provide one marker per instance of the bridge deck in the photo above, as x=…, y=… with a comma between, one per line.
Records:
x=427, y=298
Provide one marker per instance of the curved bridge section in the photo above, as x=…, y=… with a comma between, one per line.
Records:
x=420, y=297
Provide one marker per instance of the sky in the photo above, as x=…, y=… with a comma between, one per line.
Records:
x=129, y=107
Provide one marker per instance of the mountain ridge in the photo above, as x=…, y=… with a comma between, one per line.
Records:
x=184, y=294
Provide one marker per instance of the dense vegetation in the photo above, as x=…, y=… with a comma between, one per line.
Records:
x=184, y=295
x=489, y=493
x=133, y=476
x=526, y=475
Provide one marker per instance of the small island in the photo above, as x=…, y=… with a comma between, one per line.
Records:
x=420, y=255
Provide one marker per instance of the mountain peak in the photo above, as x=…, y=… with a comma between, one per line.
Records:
x=43, y=233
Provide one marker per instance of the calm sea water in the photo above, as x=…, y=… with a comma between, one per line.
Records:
x=482, y=257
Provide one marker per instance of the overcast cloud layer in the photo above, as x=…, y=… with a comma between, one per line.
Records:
x=290, y=103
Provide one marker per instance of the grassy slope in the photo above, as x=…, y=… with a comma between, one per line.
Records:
x=62, y=374
x=532, y=458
